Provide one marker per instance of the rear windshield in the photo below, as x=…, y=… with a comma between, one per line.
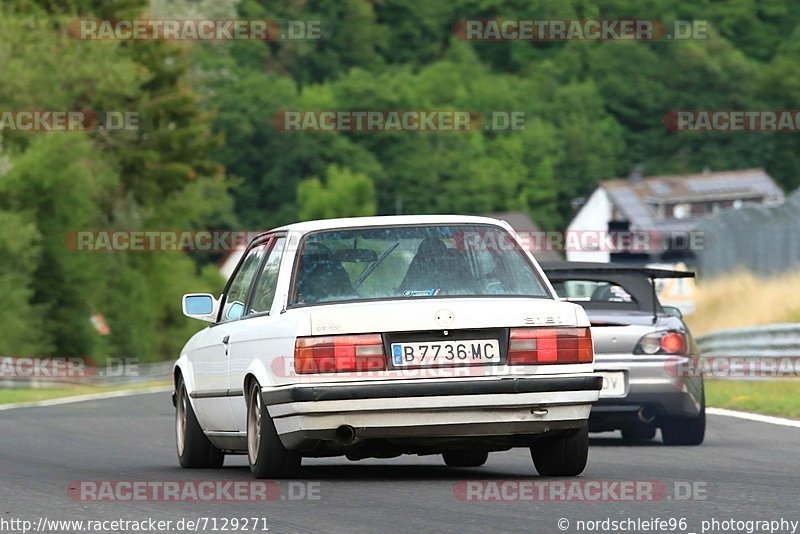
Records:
x=412, y=262
x=591, y=291
x=595, y=293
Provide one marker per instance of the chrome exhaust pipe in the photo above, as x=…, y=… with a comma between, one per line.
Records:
x=345, y=434
x=646, y=415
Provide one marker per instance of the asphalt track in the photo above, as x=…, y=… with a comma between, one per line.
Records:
x=746, y=470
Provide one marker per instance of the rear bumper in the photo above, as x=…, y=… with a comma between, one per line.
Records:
x=652, y=382
x=426, y=409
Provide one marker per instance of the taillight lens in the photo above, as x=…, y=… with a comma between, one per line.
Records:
x=339, y=354
x=550, y=345
x=666, y=342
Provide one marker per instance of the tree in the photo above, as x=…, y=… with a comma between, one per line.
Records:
x=157, y=176
x=344, y=194
x=24, y=332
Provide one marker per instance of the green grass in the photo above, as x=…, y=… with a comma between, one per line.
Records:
x=8, y=396
x=769, y=397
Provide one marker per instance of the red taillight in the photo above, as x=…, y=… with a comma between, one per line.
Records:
x=550, y=345
x=673, y=343
x=339, y=354
x=662, y=342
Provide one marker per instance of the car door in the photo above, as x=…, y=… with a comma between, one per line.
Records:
x=254, y=331
x=210, y=358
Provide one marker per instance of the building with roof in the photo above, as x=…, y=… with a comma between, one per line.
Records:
x=667, y=206
x=760, y=239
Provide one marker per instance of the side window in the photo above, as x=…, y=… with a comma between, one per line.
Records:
x=264, y=292
x=233, y=305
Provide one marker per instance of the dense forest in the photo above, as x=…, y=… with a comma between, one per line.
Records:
x=206, y=155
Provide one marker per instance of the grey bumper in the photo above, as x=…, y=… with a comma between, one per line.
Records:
x=654, y=382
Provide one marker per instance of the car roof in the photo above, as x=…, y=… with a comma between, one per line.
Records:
x=388, y=220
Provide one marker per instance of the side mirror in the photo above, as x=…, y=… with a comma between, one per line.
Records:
x=201, y=306
x=235, y=310
x=672, y=311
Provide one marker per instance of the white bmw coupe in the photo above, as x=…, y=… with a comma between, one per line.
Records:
x=382, y=336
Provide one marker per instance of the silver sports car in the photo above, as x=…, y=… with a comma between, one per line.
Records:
x=644, y=351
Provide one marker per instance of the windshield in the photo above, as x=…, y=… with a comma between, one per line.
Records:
x=412, y=262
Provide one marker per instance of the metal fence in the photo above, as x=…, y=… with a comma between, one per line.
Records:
x=773, y=341
x=762, y=240
x=130, y=374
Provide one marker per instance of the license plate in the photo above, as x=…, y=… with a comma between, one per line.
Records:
x=441, y=353
x=613, y=384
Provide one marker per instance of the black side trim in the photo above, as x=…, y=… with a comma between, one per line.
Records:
x=519, y=434
x=433, y=389
x=212, y=393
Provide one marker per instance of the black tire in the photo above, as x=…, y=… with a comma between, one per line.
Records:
x=465, y=458
x=562, y=456
x=195, y=451
x=685, y=430
x=640, y=432
x=267, y=455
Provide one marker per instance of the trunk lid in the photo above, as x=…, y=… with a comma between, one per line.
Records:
x=619, y=332
x=438, y=314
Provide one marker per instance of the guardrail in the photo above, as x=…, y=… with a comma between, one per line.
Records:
x=127, y=373
x=772, y=341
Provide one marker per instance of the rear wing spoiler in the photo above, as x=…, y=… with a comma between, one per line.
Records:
x=577, y=269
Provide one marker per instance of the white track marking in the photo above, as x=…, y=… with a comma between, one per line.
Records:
x=770, y=419
x=83, y=398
